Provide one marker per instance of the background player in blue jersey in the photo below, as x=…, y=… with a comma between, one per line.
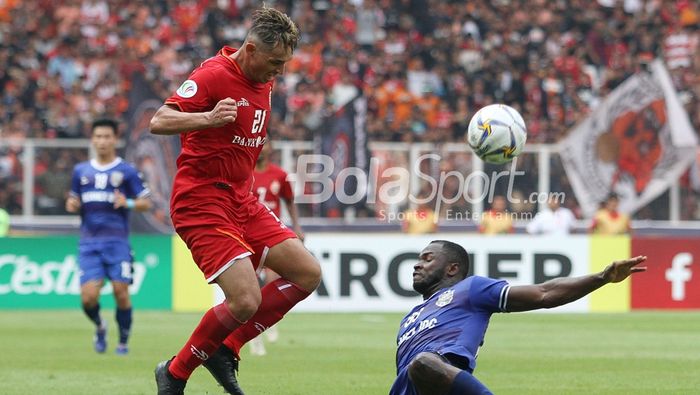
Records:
x=438, y=340
x=104, y=190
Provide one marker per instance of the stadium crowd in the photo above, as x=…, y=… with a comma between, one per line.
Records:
x=424, y=65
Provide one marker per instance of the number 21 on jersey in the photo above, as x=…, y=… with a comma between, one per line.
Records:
x=259, y=121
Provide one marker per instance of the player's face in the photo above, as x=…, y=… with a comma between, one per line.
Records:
x=268, y=64
x=104, y=140
x=430, y=268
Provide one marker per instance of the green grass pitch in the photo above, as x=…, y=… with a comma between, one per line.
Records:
x=335, y=354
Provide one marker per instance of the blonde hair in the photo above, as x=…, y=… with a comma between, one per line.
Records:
x=270, y=27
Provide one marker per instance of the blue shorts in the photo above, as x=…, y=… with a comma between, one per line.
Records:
x=105, y=259
x=403, y=385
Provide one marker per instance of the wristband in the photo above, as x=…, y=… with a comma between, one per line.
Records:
x=130, y=203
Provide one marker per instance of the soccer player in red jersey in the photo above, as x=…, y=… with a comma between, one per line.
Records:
x=271, y=187
x=221, y=114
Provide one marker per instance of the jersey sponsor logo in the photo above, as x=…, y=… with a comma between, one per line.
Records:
x=243, y=102
x=187, y=89
x=426, y=324
x=412, y=318
x=249, y=141
x=445, y=298
x=116, y=178
x=97, y=196
x=84, y=180
x=199, y=353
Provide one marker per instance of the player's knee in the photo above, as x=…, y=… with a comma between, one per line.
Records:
x=424, y=367
x=123, y=301
x=243, y=306
x=122, y=298
x=89, y=299
x=311, y=277
x=314, y=276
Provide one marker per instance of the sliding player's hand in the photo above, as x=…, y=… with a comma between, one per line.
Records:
x=224, y=112
x=620, y=270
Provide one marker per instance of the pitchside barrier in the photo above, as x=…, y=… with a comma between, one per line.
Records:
x=42, y=273
x=365, y=272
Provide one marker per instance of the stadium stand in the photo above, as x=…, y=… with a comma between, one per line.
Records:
x=425, y=65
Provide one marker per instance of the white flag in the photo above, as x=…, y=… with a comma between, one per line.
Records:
x=635, y=143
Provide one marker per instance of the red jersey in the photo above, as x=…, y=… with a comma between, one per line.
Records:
x=271, y=185
x=225, y=155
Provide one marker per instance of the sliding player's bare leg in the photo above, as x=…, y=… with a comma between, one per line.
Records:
x=431, y=374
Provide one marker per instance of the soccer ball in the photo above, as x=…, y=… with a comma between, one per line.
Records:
x=497, y=133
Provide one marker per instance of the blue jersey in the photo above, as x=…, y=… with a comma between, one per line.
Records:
x=94, y=185
x=452, y=323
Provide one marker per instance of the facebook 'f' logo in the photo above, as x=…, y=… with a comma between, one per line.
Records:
x=679, y=274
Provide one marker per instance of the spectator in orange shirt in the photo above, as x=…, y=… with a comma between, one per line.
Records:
x=395, y=102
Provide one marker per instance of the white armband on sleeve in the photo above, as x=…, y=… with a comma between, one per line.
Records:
x=503, y=299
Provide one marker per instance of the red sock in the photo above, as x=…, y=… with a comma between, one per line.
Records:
x=216, y=324
x=278, y=297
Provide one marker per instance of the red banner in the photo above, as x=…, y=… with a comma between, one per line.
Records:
x=672, y=280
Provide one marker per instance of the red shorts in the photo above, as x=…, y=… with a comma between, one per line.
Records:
x=218, y=232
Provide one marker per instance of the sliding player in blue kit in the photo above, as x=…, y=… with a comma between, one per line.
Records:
x=438, y=340
x=104, y=190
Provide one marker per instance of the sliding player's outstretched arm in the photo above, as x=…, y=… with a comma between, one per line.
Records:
x=560, y=291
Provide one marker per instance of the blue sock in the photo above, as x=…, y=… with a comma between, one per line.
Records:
x=124, y=321
x=93, y=314
x=466, y=384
